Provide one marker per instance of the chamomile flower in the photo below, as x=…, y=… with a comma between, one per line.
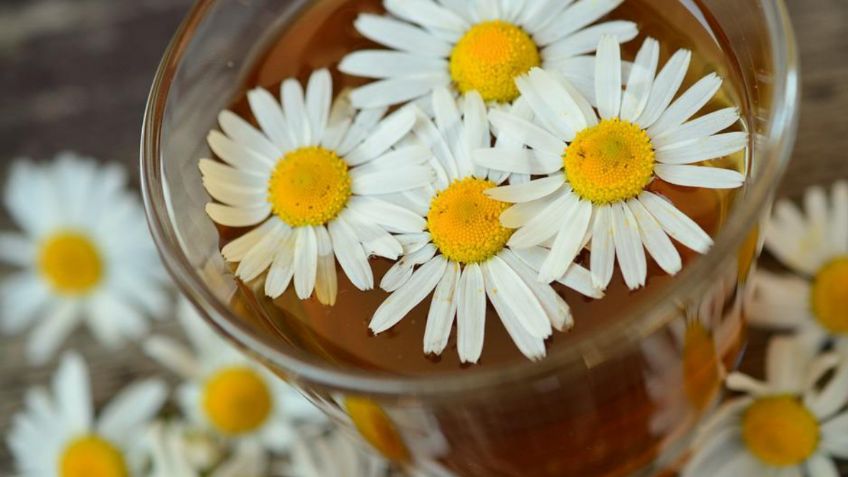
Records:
x=790, y=425
x=476, y=45
x=226, y=393
x=814, y=244
x=178, y=451
x=315, y=182
x=84, y=255
x=685, y=370
x=600, y=164
x=58, y=435
x=463, y=256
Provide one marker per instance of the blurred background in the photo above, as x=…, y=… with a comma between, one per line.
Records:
x=75, y=74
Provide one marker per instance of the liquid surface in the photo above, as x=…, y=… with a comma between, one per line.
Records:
x=320, y=37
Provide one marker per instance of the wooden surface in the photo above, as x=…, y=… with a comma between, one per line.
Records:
x=74, y=74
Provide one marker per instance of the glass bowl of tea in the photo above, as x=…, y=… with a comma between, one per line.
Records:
x=561, y=200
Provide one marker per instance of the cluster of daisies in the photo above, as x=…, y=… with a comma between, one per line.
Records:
x=795, y=421
x=84, y=255
x=498, y=140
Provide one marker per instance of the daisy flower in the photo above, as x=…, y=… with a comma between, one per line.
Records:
x=57, y=434
x=685, y=370
x=83, y=254
x=226, y=393
x=177, y=451
x=814, y=244
x=464, y=256
x=476, y=45
x=315, y=182
x=600, y=163
x=790, y=425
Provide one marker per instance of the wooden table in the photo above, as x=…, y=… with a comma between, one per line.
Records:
x=75, y=75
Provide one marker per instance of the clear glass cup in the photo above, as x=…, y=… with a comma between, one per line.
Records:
x=621, y=402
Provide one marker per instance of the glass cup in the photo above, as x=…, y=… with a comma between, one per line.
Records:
x=620, y=402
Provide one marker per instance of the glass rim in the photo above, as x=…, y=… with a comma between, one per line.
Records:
x=597, y=347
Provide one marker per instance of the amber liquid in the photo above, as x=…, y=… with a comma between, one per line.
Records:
x=600, y=425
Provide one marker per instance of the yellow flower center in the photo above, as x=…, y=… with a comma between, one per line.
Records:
x=780, y=431
x=236, y=400
x=465, y=223
x=610, y=162
x=70, y=262
x=489, y=57
x=701, y=378
x=376, y=427
x=829, y=296
x=309, y=186
x=92, y=456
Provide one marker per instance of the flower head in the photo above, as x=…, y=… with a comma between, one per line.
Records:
x=463, y=257
x=84, y=254
x=600, y=161
x=58, y=434
x=476, y=45
x=315, y=184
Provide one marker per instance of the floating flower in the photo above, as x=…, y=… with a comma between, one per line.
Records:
x=58, y=435
x=314, y=182
x=229, y=394
x=601, y=163
x=177, y=451
x=788, y=425
x=84, y=254
x=464, y=256
x=478, y=45
x=813, y=244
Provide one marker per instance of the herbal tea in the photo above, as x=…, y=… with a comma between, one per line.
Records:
x=618, y=417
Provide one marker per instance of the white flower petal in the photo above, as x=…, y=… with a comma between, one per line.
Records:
x=551, y=104
x=641, y=78
x=520, y=214
x=396, y=90
x=655, y=239
x=526, y=132
x=236, y=250
x=528, y=191
x=402, y=301
x=545, y=223
x=401, y=271
x=838, y=224
x=522, y=161
x=350, y=254
x=268, y=113
x=237, y=216
x=780, y=301
x=244, y=133
x=23, y=297
x=388, y=132
x=305, y=261
x=130, y=409
x=471, y=314
x=602, y=258
x=585, y=41
x=696, y=129
x=517, y=295
x=319, y=97
x=362, y=126
x=699, y=176
x=326, y=282
x=555, y=307
x=173, y=355
x=628, y=246
x=426, y=13
x=568, y=242
x=530, y=346
x=442, y=311
x=574, y=18
x=52, y=330
x=260, y=256
x=665, y=86
x=687, y=104
x=237, y=155
x=382, y=64
x=711, y=147
x=608, y=77
x=390, y=180
x=401, y=36
x=676, y=223
x=743, y=383
x=294, y=108
x=392, y=216
x=821, y=466
x=234, y=195
x=224, y=174
x=72, y=391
